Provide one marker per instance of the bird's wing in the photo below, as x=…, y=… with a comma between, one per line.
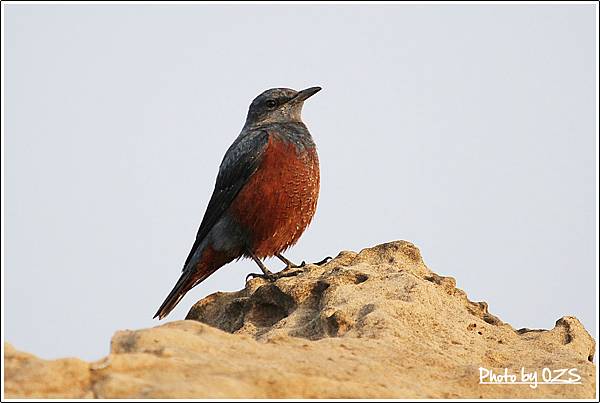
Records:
x=241, y=160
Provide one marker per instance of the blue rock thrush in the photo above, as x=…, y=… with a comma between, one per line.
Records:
x=265, y=194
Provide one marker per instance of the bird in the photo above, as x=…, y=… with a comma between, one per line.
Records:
x=265, y=194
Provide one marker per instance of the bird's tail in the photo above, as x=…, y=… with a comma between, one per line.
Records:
x=184, y=284
x=191, y=276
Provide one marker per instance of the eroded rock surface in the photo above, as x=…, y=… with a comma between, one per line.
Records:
x=372, y=324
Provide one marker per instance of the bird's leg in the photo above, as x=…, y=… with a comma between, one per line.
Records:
x=266, y=273
x=288, y=263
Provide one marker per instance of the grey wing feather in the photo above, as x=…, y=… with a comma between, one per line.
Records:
x=241, y=160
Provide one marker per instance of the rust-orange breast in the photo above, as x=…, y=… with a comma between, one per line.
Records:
x=280, y=199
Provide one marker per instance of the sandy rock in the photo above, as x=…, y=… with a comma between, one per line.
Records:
x=25, y=375
x=374, y=324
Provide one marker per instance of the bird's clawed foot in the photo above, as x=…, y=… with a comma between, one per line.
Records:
x=324, y=261
x=273, y=276
x=319, y=263
x=286, y=272
x=268, y=275
x=290, y=265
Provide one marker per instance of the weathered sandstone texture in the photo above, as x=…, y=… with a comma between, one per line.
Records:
x=374, y=324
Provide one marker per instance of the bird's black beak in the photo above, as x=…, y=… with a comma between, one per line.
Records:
x=305, y=94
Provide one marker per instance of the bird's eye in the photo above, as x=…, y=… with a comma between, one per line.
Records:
x=271, y=103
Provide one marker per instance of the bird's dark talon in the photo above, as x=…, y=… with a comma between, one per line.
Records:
x=255, y=275
x=259, y=275
x=273, y=276
x=324, y=261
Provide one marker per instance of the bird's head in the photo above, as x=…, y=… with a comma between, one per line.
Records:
x=278, y=105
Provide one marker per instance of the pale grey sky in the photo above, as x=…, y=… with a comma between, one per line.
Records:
x=468, y=130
